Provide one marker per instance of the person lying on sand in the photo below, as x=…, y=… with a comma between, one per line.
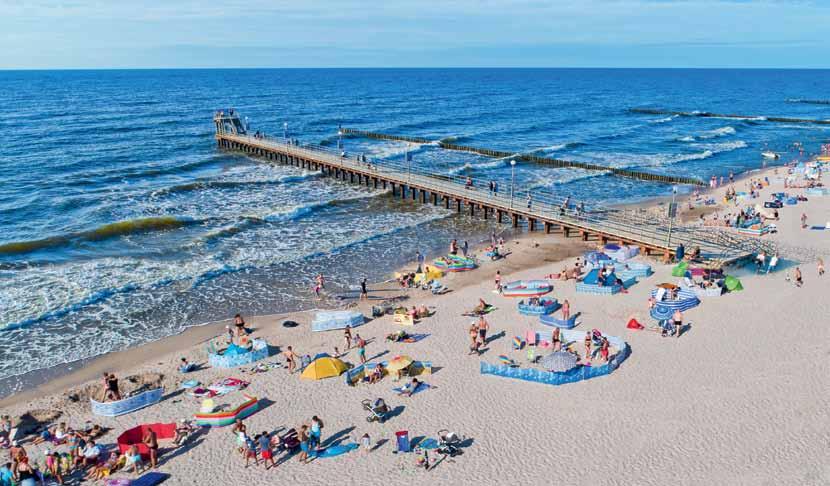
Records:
x=409, y=389
x=481, y=307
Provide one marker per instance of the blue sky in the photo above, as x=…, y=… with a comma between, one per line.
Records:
x=42, y=34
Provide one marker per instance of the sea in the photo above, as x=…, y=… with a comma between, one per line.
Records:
x=122, y=223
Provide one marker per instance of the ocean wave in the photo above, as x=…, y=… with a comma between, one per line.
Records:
x=118, y=175
x=500, y=162
x=554, y=148
x=628, y=160
x=232, y=184
x=664, y=120
x=709, y=134
x=107, y=231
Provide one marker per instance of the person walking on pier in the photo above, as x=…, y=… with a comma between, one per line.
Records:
x=492, y=187
x=529, y=201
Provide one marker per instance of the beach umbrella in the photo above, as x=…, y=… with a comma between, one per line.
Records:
x=733, y=284
x=325, y=367
x=399, y=363
x=661, y=312
x=668, y=286
x=595, y=257
x=559, y=361
x=505, y=360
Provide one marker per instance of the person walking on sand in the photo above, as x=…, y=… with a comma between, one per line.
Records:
x=820, y=266
x=316, y=432
x=473, y=338
x=566, y=310
x=364, y=292
x=498, y=281
x=347, y=337
x=772, y=263
x=290, y=358
x=803, y=220
x=420, y=259
x=483, y=327
x=265, y=451
x=304, y=445
x=151, y=441
x=361, y=348
x=465, y=248
x=677, y=317
x=454, y=247
x=797, y=275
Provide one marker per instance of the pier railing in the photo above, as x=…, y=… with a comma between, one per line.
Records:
x=530, y=203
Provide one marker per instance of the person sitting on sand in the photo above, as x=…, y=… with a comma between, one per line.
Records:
x=422, y=312
x=411, y=388
x=111, y=388
x=239, y=322
x=481, y=307
x=186, y=366
x=101, y=471
x=603, y=349
x=376, y=375
x=90, y=454
x=183, y=429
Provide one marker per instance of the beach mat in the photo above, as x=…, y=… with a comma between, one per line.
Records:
x=150, y=479
x=487, y=310
x=414, y=338
x=421, y=387
x=818, y=228
x=334, y=450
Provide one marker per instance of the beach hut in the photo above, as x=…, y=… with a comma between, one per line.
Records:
x=324, y=367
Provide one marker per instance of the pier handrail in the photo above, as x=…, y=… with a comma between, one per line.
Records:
x=629, y=225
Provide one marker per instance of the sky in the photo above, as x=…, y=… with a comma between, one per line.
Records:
x=78, y=34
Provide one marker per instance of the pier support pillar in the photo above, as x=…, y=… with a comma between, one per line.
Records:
x=584, y=235
x=384, y=184
x=446, y=202
x=472, y=209
x=403, y=191
x=423, y=196
x=566, y=231
x=531, y=223
x=515, y=220
x=547, y=228
x=499, y=214
x=486, y=210
x=375, y=182
x=458, y=205
x=434, y=199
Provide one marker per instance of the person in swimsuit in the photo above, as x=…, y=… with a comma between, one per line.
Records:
x=239, y=322
x=411, y=388
x=304, y=445
x=316, y=432
x=603, y=350
x=361, y=349
x=53, y=466
x=797, y=275
x=566, y=310
x=588, y=346
x=481, y=307
x=677, y=317
x=482, y=330
x=265, y=451
x=820, y=266
x=151, y=441
x=473, y=338
x=364, y=292
x=347, y=337
x=498, y=281
x=111, y=387
x=290, y=358
x=557, y=339
x=24, y=473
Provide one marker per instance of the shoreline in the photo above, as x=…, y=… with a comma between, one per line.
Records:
x=77, y=373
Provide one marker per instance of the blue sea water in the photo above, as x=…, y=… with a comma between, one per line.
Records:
x=122, y=223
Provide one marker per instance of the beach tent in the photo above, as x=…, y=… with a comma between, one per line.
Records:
x=325, y=367
x=399, y=363
x=733, y=284
x=597, y=258
x=680, y=269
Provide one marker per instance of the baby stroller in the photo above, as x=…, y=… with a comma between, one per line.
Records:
x=290, y=440
x=378, y=410
x=449, y=443
x=437, y=288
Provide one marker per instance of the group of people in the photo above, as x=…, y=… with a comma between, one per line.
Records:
x=265, y=446
x=478, y=334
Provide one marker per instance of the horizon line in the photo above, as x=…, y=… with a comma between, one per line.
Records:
x=249, y=68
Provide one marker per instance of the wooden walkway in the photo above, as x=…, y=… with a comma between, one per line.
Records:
x=653, y=235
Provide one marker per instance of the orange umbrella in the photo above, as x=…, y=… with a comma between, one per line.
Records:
x=399, y=363
x=667, y=286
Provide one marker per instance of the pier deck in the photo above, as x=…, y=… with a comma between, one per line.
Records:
x=545, y=212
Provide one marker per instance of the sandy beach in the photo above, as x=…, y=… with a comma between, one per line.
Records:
x=740, y=398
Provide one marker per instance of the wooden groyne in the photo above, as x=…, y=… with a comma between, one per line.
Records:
x=706, y=114
x=559, y=163
x=809, y=102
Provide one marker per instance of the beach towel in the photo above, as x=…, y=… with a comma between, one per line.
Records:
x=334, y=450
x=414, y=338
x=473, y=313
x=421, y=387
x=150, y=479
x=633, y=324
x=818, y=228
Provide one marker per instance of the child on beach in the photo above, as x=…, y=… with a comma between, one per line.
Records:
x=304, y=444
x=361, y=349
x=366, y=443
x=677, y=317
x=473, y=338
x=566, y=310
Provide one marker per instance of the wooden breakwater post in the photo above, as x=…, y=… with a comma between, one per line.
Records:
x=558, y=163
x=706, y=114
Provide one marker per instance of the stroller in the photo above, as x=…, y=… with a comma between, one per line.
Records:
x=378, y=410
x=437, y=288
x=449, y=443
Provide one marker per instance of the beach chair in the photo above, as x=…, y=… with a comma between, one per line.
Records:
x=661, y=292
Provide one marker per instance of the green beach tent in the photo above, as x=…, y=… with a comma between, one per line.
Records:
x=680, y=269
x=733, y=284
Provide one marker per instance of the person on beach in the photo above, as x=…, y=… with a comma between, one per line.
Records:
x=150, y=439
x=820, y=266
x=265, y=451
x=183, y=429
x=604, y=349
x=566, y=310
x=420, y=259
x=498, y=281
x=482, y=306
x=321, y=281
x=772, y=263
x=797, y=276
x=111, y=388
x=361, y=349
x=364, y=292
x=556, y=338
x=240, y=324
x=304, y=445
x=529, y=201
x=24, y=473
x=347, y=337
x=249, y=451
x=588, y=342
x=6, y=428
x=760, y=260
x=473, y=331
x=376, y=375
x=240, y=431
x=803, y=220
x=483, y=326
x=290, y=359
x=465, y=248
x=677, y=317
x=411, y=388
x=315, y=432
x=454, y=247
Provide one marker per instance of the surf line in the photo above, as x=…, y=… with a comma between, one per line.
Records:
x=706, y=114
x=632, y=174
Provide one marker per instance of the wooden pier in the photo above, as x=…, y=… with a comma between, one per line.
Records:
x=518, y=206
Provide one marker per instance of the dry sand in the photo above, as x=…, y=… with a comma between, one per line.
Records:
x=741, y=398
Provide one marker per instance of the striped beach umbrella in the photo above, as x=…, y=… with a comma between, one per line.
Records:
x=559, y=361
